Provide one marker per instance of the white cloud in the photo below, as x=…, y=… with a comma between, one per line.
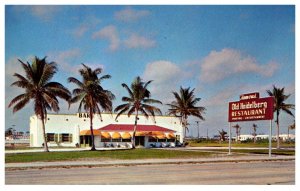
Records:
x=166, y=77
x=43, y=12
x=64, y=58
x=219, y=65
x=290, y=88
x=131, y=15
x=161, y=71
x=137, y=41
x=232, y=93
x=80, y=30
x=222, y=97
x=110, y=33
x=88, y=23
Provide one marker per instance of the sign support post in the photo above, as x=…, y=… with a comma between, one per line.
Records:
x=270, y=140
x=229, y=152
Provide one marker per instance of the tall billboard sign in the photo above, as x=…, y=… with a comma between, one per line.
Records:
x=251, y=108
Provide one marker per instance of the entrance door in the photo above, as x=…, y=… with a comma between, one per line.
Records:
x=140, y=141
x=85, y=141
x=88, y=141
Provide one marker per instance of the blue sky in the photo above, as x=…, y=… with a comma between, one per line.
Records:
x=221, y=51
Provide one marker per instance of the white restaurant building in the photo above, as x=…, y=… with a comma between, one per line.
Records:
x=73, y=130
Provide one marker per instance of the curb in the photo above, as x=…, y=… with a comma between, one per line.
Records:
x=135, y=163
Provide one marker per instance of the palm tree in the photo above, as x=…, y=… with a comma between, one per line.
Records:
x=184, y=106
x=254, y=132
x=91, y=94
x=222, y=135
x=9, y=132
x=40, y=89
x=279, y=99
x=138, y=101
x=293, y=126
x=237, y=131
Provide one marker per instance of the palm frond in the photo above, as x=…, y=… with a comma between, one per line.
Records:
x=287, y=110
x=28, y=71
x=128, y=90
x=132, y=110
x=51, y=101
x=22, y=84
x=121, y=109
x=18, y=106
x=58, y=90
x=144, y=112
x=17, y=98
x=47, y=73
x=151, y=110
x=152, y=101
x=127, y=99
x=105, y=77
x=75, y=81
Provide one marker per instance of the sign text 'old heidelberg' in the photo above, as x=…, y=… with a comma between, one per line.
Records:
x=251, y=109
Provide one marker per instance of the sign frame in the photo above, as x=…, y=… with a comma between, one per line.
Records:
x=251, y=108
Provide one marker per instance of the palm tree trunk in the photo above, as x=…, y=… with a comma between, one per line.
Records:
x=277, y=122
x=134, y=130
x=184, y=128
x=288, y=133
x=44, y=135
x=92, y=133
x=184, y=133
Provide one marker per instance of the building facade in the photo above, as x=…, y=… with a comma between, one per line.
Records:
x=283, y=137
x=73, y=130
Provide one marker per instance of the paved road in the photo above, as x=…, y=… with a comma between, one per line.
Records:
x=257, y=173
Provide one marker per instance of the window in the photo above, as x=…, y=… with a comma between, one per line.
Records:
x=116, y=140
x=65, y=137
x=50, y=137
x=105, y=140
x=161, y=140
x=152, y=139
x=170, y=140
x=126, y=140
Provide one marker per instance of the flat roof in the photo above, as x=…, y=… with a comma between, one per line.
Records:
x=130, y=127
x=74, y=114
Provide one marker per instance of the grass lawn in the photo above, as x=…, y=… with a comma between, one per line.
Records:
x=233, y=144
x=255, y=151
x=31, y=148
x=129, y=154
x=119, y=154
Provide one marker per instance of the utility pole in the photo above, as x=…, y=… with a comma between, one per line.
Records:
x=198, y=129
x=206, y=133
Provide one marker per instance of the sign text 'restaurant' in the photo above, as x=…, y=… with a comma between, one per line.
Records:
x=251, y=110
